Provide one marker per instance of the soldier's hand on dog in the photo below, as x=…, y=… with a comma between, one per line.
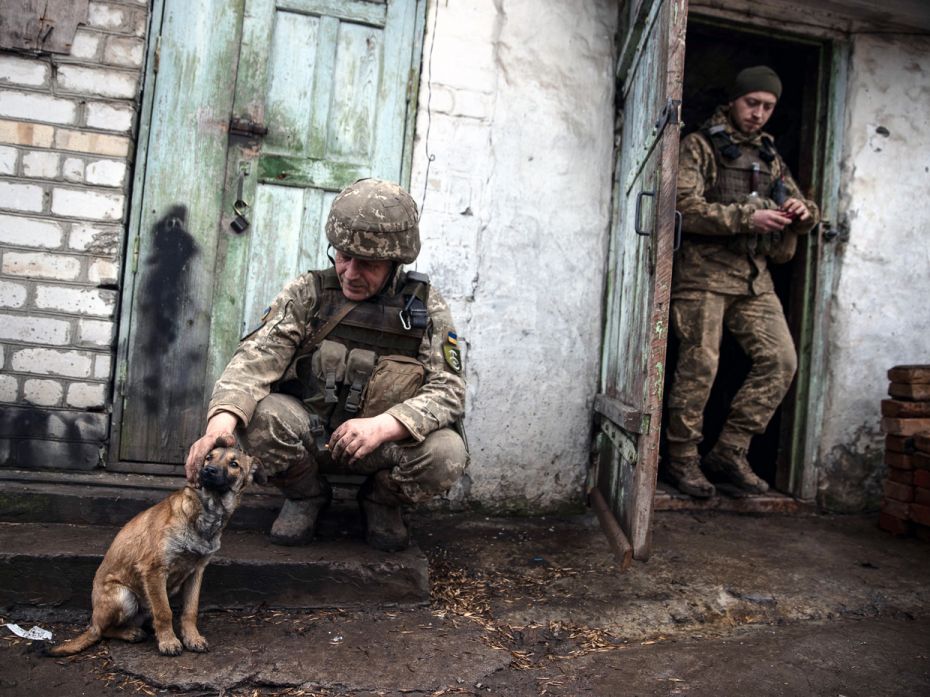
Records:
x=219, y=433
x=356, y=438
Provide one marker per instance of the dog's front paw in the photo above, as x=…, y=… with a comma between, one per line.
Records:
x=196, y=642
x=170, y=647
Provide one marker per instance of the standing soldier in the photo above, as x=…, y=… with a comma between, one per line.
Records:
x=741, y=208
x=354, y=369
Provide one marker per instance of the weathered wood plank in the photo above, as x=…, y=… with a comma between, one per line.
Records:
x=41, y=25
x=363, y=11
x=291, y=98
x=356, y=85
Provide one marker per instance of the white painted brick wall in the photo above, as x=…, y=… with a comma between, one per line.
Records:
x=22, y=197
x=66, y=140
x=95, y=332
x=35, y=329
x=23, y=71
x=42, y=361
x=12, y=295
x=41, y=265
x=8, y=158
x=43, y=393
x=84, y=203
x=41, y=107
x=9, y=387
x=78, y=301
x=84, y=395
x=30, y=232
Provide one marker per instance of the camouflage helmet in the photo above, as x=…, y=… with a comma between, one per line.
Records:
x=375, y=219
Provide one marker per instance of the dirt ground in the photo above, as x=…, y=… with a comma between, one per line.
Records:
x=727, y=605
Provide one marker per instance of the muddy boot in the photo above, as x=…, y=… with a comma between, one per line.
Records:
x=296, y=522
x=729, y=464
x=382, y=512
x=685, y=473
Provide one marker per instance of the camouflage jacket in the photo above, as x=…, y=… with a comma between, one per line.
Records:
x=266, y=356
x=715, y=265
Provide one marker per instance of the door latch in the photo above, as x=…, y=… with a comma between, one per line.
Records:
x=240, y=223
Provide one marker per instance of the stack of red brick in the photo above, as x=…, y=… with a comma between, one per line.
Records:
x=906, y=424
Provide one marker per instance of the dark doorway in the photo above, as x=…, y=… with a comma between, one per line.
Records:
x=714, y=54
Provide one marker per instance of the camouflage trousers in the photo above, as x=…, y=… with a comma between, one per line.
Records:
x=758, y=324
x=279, y=435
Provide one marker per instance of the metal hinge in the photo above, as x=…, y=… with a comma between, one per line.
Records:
x=670, y=114
x=135, y=255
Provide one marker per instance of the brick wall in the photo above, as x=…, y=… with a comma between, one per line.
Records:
x=66, y=139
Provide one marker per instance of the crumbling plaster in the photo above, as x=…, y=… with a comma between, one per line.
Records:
x=878, y=314
x=514, y=156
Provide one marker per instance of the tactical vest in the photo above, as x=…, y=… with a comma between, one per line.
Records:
x=332, y=375
x=741, y=171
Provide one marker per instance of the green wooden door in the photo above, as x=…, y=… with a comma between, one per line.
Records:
x=321, y=97
x=629, y=406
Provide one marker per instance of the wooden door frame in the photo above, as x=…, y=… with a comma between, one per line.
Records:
x=130, y=260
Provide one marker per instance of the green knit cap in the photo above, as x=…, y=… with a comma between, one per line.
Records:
x=759, y=78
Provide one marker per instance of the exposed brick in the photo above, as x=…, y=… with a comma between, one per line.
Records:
x=93, y=238
x=96, y=333
x=94, y=143
x=41, y=265
x=85, y=395
x=921, y=460
x=125, y=51
x=22, y=197
x=72, y=169
x=9, y=388
x=904, y=409
x=86, y=44
x=84, y=301
x=922, y=442
x=81, y=203
x=896, y=526
x=12, y=294
x=922, y=478
x=905, y=427
x=23, y=71
x=920, y=514
x=899, y=492
x=34, y=329
x=106, y=172
x=109, y=117
x=43, y=361
x=922, y=496
x=68, y=425
x=910, y=374
x=898, y=509
x=28, y=232
x=99, y=82
x=8, y=157
x=45, y=393
x=32, y=134
x=899, y=444
x=102, y=368
x=37, y=107
x=899, y=460
x=902, y=390
x=41, y=164
x=105, y=16
x=901, y=476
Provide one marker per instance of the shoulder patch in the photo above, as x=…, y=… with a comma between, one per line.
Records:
x=451, y=353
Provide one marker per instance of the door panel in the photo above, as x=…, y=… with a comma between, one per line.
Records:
x=319, y=100
x=639, y=274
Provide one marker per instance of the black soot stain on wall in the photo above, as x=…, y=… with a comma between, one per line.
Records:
x=163, y=301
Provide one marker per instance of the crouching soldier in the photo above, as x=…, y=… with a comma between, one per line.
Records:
x=355, y=370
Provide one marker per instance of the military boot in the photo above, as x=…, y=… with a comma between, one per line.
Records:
x=296, y=521
x=729, y=464
x=381, y=504
x=685, y=473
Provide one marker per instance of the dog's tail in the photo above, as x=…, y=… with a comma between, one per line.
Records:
x=90, y=637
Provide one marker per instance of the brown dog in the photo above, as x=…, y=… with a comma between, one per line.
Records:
x=160, y=551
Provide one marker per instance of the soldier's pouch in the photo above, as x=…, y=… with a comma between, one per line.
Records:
x=359, y=367
x=394, y=380
x=329, y=368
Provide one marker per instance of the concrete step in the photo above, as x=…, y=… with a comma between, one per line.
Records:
x=52, y=565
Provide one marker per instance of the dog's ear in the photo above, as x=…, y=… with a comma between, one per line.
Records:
x=258, y=472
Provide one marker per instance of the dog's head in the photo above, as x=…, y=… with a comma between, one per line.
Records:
x=227, y=469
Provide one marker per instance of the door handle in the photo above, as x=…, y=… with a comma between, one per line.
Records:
x=240, y=223
x=637, y=218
